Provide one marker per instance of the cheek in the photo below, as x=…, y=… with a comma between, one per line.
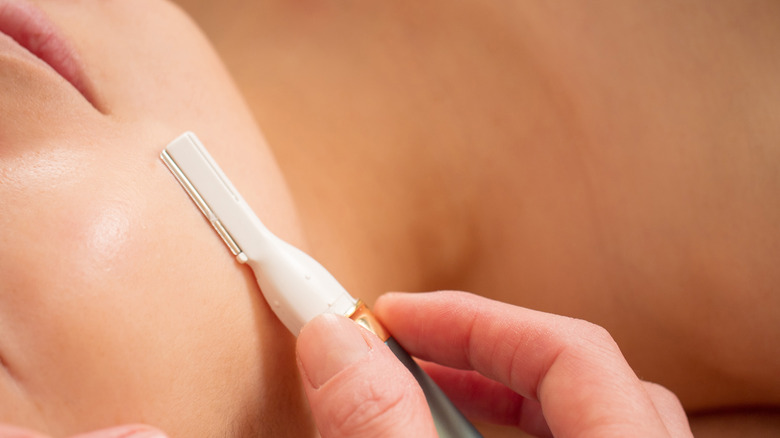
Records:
x=115, y=308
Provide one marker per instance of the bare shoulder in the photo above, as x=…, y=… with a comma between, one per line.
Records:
x=617, y=163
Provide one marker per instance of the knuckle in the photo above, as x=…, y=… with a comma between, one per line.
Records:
x=660, y=393
x=590, y=336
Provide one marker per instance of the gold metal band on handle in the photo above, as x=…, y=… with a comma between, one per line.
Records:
x=363, y=316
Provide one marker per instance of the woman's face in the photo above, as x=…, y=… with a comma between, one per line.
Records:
x=117, y=302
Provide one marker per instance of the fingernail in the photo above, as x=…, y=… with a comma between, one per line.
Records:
x=327, y=345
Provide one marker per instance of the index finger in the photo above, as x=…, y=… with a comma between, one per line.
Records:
x=573, y=368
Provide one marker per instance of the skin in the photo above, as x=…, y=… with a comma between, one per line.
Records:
x=653, y=239
x=616, y=163
x=118, y=304
x=544, y=374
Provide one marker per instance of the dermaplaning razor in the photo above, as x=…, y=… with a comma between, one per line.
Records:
x=295, y=285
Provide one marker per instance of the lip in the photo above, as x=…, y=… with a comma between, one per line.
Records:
x=31, y=29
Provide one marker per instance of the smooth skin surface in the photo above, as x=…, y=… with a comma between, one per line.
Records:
x=118, y=304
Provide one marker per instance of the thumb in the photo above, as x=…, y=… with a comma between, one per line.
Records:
x=355, y=385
